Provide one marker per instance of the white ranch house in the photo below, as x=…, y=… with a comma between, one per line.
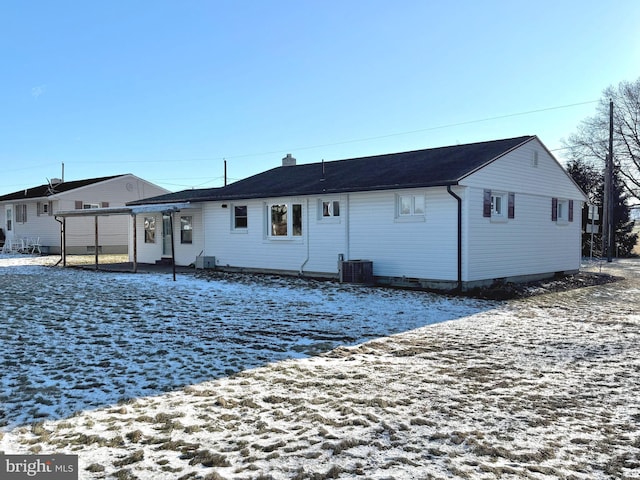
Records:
x=28, y=216
x=450, y=217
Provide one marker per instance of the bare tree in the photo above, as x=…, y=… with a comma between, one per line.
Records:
x=590, y=143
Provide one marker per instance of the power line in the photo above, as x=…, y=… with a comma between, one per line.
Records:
x=355, y=140
x=343, y=142
x=409, y=132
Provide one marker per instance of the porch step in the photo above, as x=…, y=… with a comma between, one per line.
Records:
x=164, y=261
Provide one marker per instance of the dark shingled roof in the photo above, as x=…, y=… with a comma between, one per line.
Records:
x=46, y=191
x=420, y=168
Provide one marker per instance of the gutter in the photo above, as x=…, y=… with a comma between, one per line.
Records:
x=451, y=192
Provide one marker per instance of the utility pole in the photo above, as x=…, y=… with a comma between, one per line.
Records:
x=608, y=235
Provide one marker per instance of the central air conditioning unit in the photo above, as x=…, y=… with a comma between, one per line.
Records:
x=203, y=262
x=356, y=271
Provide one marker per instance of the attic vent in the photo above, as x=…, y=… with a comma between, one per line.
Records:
x=534, y=160
x=288, y=161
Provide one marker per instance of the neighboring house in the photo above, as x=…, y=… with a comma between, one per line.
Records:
x=29, y=214
x=447, y=217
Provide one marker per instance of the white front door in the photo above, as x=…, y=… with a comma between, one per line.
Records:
x=8, y=222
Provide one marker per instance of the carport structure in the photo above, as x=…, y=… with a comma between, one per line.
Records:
x=167, y=209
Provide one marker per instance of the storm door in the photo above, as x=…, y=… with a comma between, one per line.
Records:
x=166, y=236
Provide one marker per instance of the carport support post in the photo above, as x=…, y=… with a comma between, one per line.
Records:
x=63, y=243
x=96, y=239
x=135, y=244
x=173, y=251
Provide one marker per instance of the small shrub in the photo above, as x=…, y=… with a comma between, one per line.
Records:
x=209, y=459
x=95, y=468
x=135, y=436
x=135, y=457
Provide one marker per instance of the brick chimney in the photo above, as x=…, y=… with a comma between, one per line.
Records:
x=288, y=161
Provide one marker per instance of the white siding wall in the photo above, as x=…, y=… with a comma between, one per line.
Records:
x=530, y=243
x=250, y=247
x=327, y=235
x=367, y=221
x=515, y=172
x=424, y=249
x=43, y=226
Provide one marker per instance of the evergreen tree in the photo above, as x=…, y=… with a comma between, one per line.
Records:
x=591, y=181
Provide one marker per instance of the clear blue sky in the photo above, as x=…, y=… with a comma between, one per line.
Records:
x=168, y=89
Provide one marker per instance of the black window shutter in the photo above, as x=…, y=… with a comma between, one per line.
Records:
x=512, y=205
x=78, y=204
x=104, y=204
x=486, y=204
x=554, y=209
x=571, y=210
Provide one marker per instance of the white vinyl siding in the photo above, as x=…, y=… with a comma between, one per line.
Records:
x=368, y=230
x=514, y=172
x=424, y=249
x=530, y=243
x=255, y=248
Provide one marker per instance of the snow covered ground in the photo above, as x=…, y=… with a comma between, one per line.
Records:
x=259, y=378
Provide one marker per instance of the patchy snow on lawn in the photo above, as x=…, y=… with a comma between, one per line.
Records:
x=75, y=339
x=268, y=377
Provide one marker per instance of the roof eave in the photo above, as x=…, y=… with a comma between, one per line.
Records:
x=323, y=191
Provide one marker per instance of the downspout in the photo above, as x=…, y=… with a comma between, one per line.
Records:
x=452, y=193
x=306, y=227
x=63, y=253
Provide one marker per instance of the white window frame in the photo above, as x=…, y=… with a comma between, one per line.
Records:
x=89, y=206
x=563, y=211
x=329, y=210
x=234, y=227
x=186, y=226
x=290, y=233
x=20, y=212
x=411, y=207
x=499, y=205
